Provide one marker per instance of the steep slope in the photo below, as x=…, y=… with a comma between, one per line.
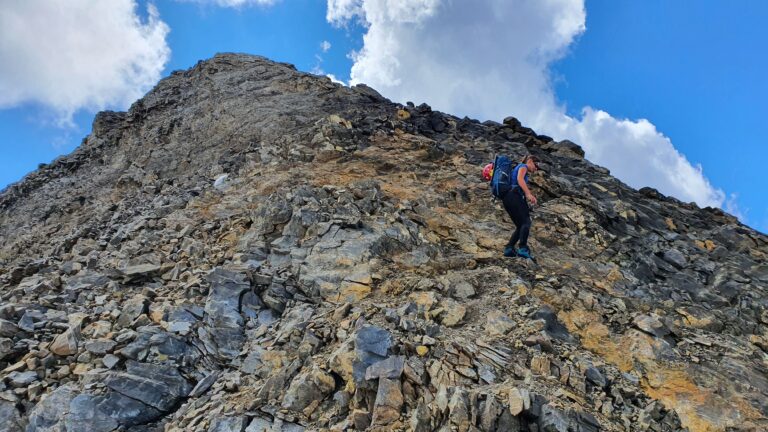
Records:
x=254, y=248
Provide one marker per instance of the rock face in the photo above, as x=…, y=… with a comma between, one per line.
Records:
x=254, y=248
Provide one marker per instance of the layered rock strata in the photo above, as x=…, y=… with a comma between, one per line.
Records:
x=252, y=248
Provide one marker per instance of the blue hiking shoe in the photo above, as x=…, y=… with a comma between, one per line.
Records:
x=510, y=251
x=524, y=253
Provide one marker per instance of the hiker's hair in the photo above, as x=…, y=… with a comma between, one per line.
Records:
x=529, y=157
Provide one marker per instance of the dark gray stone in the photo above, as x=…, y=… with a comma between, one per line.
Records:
x=84, y=415
x=595, y=377
x=222, y=311
x=553, y=420
x=391, y=367
x=22, y=379
x=228, y=424
x=10, y=417
x=161, y=387
x=676, y=258
x=8, y=329
x=204, y=384
x=100, y=346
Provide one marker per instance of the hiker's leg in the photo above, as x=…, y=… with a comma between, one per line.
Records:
x=525, y=227
x=512, y=208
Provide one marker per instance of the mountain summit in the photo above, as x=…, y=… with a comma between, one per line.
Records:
x=253, y=248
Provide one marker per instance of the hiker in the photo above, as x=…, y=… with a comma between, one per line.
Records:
x=515, y=198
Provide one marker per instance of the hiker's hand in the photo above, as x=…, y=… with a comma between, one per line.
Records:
x=531, y=198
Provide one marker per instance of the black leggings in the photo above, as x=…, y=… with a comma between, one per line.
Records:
x=517, y=208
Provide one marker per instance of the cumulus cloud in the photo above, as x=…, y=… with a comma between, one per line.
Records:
x=73, y=54
x=233, y=3
x=334, y=79
x=325, y=46
x=491, y=58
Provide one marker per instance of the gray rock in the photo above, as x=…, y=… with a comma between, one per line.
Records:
x=553, y=420
x=100, y=346
x=554, y=327
x=222, y=312
x=228, y=424
x=22, y=379
x=389, y=402
x=595, y=377
x=651, y=324
x=8, y=329
x=30, y=318
x=110, y=361
x=371, y=345
x=10, y=418
x=498, y=324
x=160, y=387
x=87, y=281
x=259, y=424
x=676, y=258
x=306, y=387
x=204, y=384
x=85, y=415
x=391, y=367
x=124, y=410
x=47, y=415
x=131, y=310
x=6, y=347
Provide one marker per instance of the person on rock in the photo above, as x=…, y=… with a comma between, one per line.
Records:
x=516, y=204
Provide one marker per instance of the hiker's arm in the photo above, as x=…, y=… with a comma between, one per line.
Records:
x=521, y=181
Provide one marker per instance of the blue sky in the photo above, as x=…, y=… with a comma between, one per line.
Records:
x=653, y=89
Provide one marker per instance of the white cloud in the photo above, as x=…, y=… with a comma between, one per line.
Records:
x=334, y=79
x=325, y=46
x=341, y=11
x=233, y=3
x=491, y=58
x=732, y=207
x=73, y=54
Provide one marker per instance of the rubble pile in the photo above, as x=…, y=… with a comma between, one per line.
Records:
x=252, y=248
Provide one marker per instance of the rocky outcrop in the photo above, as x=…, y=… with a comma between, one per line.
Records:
x=254, y=248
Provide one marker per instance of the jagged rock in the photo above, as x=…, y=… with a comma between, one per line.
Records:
x=352, y=239
x=452, y=313
x=6, y=347
x=389, y=402
x=519, y=401
x=160, y=387
x=228, y=424
x=391, y=368
x=553, y=420
x=100, y=346
x=225, y=335
x=310, y=386
x=553, y=327
x=22, y=379
x=47, y=415
x=131, y=311
x=110, y=361
x=10, y=418
x=8, y=329
x=371, y=345
x=498, y=324
x=66, y=344
x=595, y=377
x=675, y=257
x=361, y=419
x=204, y=384
x=651, y=325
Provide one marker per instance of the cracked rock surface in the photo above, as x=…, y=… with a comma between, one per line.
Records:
x=252, y=248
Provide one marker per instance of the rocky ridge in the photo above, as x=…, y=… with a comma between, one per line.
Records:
x=252, y=248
